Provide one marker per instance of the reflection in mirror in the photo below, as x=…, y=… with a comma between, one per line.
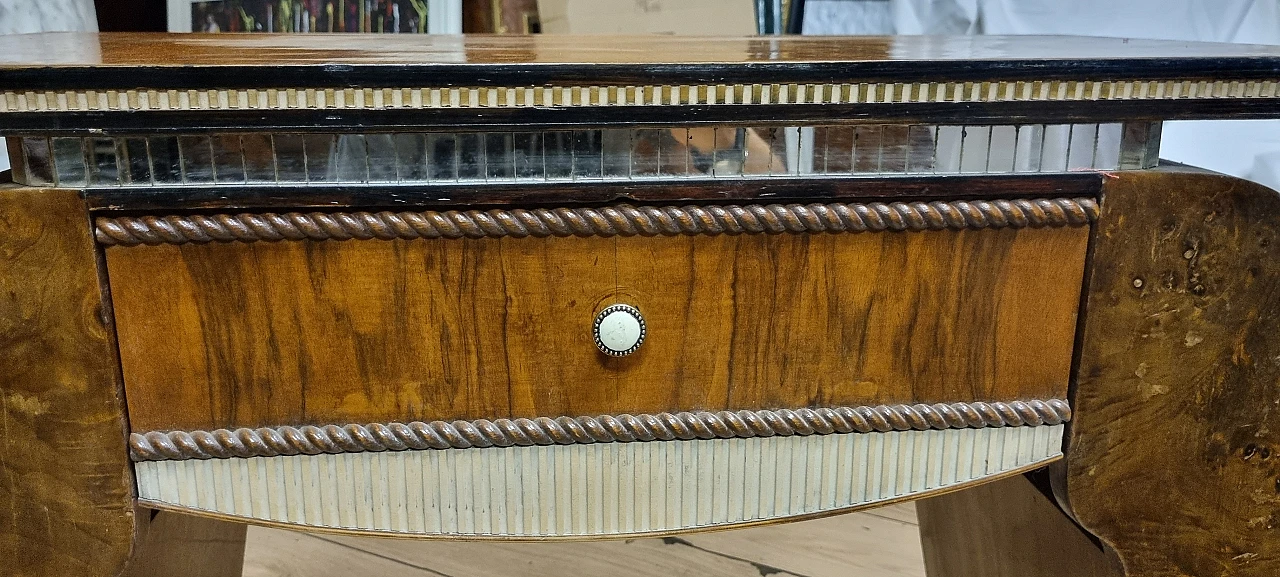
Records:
x=618, y=154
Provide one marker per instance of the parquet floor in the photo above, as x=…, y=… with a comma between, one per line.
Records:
x=879, y=543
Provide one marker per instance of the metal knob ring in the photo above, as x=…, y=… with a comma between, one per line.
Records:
x=619, y=330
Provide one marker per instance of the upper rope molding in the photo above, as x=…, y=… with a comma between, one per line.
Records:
x=620, y=220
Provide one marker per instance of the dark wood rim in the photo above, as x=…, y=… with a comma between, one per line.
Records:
x=180, y=199
x=97, y=123
x=542, y=74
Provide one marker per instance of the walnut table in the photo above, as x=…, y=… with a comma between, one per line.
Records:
x=529, y=288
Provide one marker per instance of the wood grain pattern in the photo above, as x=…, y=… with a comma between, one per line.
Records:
x=228, y=335
x=113, y=50
x=586, y=491
x=114, y=60
x=1171, y=458
x=66, y=489
x=177, y=545
x=1007, y=528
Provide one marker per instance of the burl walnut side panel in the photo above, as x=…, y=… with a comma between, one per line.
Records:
x=1173, y=457
x=318, y=332
x=66, y=488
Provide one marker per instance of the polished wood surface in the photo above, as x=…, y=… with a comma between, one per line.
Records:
x=1172, y=458
x=323, y=51
x=32, y=64
x=177, y=545
x=1007, y=528
x=66, y=488
x=223, y=335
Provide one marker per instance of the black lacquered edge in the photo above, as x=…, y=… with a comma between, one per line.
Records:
x=554, y=74
x=540, y=118
x=703, y=191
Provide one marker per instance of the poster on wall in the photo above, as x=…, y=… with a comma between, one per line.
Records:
x=274, y=16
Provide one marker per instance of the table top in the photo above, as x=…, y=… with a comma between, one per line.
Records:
x=95, y=60
x=81, y=83
x=173, y=50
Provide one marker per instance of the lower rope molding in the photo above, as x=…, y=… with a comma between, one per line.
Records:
x=585, y=490
x=684, y=426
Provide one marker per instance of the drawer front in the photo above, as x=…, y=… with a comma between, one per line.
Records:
x=225, y=335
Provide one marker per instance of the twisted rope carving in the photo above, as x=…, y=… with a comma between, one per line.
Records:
x=311, y=440
x=620, y=220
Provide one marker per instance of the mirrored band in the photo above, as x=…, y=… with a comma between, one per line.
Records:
x=591, y=155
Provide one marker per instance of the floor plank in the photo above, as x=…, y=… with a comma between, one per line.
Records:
x=882, y=542
x=869, y=543
x=904, y=512
x=279, y=553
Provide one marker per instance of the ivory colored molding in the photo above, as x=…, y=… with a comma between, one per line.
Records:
x=607, y=489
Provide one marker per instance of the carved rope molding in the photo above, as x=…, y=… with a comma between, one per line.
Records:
x=312, y=440
x=619, y=220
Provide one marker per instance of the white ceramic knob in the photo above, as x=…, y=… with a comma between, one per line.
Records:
x=619, y=330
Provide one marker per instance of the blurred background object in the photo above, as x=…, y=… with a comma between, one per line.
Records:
x=699, y=17
x=779, y=16
x=373, y=16
x=132, y=15
x=500, y=17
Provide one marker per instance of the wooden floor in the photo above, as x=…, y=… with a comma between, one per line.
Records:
x=882, y=542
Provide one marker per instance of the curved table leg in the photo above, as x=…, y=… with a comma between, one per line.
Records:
x=66, y=485
x=1173, y=458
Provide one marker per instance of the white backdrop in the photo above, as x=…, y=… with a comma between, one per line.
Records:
x=1250, y=149
x=23, y=16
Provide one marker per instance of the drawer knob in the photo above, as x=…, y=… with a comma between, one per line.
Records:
x=619, y=330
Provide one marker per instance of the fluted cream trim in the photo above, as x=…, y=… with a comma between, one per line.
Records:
x=647, y=95
x=608, y=489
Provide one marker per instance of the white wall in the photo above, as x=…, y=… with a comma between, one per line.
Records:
x=26, y=16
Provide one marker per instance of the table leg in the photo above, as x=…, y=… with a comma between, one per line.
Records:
x=66, y=489
x=1007, y=528
x=177, y=545
x=1173, y=454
